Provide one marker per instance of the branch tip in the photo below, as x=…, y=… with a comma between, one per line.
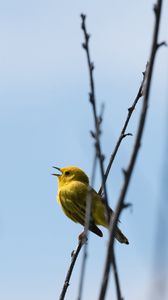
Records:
x=87, y=37
x=161, y=44
x=91, y=98
x=83, y=17
x=92, y=66
x=126, y=205
x=131, y=109
x=92, y=134
x=72, y=253
x=67, y=283
x=84, y=46
x=129, y=134
x=124, y=172
x=126, y=134
x=155, y=9
x=99, y=120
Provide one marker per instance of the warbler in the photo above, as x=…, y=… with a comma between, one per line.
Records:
x=73, y=187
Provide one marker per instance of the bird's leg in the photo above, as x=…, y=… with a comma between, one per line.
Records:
x=82, y=237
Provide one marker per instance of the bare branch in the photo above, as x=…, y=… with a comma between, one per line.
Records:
x=116, y=276
x=86, y=228
x=92, y=99
x=133, y=158
x=162, y=44
x=74, y=256
x=96, y=134
x=122, y=133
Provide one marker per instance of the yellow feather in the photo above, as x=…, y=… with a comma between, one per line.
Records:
x=73, y=187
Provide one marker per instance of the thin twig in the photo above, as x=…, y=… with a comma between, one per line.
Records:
x=116, y=276
x=97, y=120
x=96, y=135
x=123, y=133
x=98, y=154
x=86, y=228
x=74, y=256
x=128, y=172
x=88, y=215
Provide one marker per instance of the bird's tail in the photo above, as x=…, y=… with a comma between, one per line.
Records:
x=121, y=237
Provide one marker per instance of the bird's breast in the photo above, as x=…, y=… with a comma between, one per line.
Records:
x=72, y=192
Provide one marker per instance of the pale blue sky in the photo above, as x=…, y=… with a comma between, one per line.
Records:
x=45, y=120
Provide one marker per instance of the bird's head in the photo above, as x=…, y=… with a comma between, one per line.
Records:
x=68, y=174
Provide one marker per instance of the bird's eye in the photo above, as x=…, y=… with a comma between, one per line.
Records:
x=67, y=173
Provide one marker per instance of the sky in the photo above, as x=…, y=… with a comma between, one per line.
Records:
x=45, y=119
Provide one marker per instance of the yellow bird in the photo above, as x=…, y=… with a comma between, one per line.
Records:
x=73, y=187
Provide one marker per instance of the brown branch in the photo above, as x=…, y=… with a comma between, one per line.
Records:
x=129, y=171
x=96, y=135
x=116, y=276
x=74, y=256
x=97, y=120
x=123, y=133
x=86, y=228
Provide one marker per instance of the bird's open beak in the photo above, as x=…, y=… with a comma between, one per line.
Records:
x=56, y=174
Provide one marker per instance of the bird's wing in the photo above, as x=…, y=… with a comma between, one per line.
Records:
x=74, y=206
x=80, y=216
x=99, y=209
